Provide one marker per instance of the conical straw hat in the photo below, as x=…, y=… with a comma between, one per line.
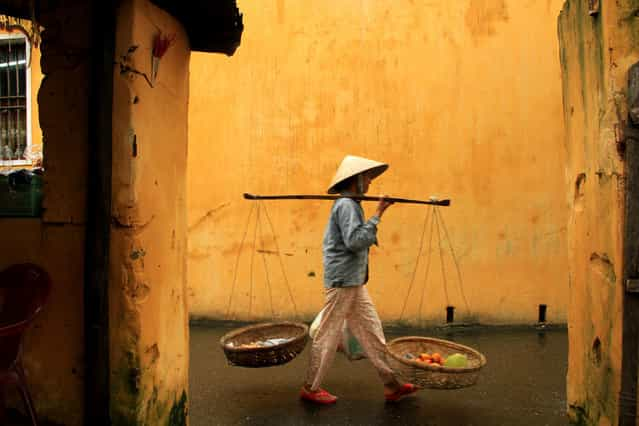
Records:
x=352, y=165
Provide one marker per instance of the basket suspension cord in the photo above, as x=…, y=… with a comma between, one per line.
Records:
x=421, y=246
x=441, y=258
x=237, y=261
x=430, y=249
x=257, y=223
x=434, y=221
x=268, y=282
x=279, y=256
x=457, y=268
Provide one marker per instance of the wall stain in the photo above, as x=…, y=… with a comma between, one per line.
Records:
x=137, y=254
x=395, y=238
x=207, y=216
x=280, y=11
x=578, y=203
x=154, y=352
x=482, y=17
x=601, y=265
x=267, y=251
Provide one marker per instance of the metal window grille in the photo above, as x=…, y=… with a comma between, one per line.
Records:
x=13, y=99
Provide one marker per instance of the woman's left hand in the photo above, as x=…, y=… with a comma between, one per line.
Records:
x=382, y=206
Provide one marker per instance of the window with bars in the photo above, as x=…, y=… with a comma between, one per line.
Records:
x=15, y=131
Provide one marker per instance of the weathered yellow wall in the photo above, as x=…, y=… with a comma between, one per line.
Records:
x=596, y=52
x=54, y=345
x=462, y=98
x=148, y=313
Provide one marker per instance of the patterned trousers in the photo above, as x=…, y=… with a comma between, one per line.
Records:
x=355, y=305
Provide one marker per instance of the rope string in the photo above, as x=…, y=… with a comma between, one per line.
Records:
x=268, y=282
x=441, y=259
x=259, y=207
x=459, y=276
x=419, y=253
x=430, y=248
x=279, y=256
x=434, y=220
x=257, y=221
x=237, y=261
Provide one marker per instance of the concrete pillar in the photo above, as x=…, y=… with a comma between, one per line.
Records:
x=148, y=312
x=597, y=46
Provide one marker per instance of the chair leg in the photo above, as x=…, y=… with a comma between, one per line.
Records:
x=26, y=396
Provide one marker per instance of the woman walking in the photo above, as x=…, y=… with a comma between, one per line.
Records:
x=347, y=239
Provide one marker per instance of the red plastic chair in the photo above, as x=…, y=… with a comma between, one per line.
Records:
x=24, y=289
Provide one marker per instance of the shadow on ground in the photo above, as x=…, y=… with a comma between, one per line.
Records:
x=523, y=384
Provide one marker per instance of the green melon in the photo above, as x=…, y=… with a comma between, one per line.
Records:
x=456, y=361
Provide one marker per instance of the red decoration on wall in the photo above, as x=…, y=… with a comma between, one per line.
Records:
x=161, y=44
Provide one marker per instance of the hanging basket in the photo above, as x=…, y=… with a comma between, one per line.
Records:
x=430, y=376
x=252, y=346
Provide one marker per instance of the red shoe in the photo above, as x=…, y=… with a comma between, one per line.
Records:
x=404, y=390
x=320, y=396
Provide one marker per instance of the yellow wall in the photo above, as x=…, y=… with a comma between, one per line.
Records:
x=148, y=314
x=596, y=52
x=463, y=99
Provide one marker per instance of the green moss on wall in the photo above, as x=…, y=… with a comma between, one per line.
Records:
x=125, y=390
x=177, y=416
x=578, y=415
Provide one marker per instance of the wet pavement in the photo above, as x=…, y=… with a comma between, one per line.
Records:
x=523, y=383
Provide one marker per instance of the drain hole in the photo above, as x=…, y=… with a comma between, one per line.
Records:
x=542, y=313
x=450, y=314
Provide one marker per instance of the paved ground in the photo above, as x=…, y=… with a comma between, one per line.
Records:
x=522, y=384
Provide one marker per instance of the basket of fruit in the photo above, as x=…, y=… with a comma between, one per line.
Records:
x=265, y=344
x=435, y=363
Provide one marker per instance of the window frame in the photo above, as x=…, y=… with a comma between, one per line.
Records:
x=29, y=145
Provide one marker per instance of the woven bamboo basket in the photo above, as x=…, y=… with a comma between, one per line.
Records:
x=429, y=376
x=268, y=356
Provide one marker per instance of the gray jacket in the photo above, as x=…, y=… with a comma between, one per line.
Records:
x=346, y=242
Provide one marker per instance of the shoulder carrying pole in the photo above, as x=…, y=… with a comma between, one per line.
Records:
x=432, y=201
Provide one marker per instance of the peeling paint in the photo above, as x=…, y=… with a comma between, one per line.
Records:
x=601, y=265
x=482, y=16
x=137, y=254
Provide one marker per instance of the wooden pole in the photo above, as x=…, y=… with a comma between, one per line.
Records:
x=433, y=201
